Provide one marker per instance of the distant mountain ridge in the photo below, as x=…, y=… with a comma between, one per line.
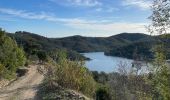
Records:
x=77, y=43
x=132, y=36
x=122, y=45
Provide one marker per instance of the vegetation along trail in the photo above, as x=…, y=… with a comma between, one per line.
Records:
x=25, y=87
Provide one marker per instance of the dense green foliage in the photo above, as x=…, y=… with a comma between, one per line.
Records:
x=42, y=55
x=160, y=79
x=161, y=70
x=67, y=74
x=11, y=56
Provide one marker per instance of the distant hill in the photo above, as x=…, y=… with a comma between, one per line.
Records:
x=132, y=36
x=122, y=45
x=77, y=43
x=141, y=47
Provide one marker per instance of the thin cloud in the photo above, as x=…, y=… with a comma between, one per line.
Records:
x=48, y=17
x=112, y=27
x=112, y=9
x=142, y=4
x=106, y=9
x=91, y=25
x=23, y=14
x=88, y=3
x=99, y=9
x=6, y=18
x=38, y=16
x=99, y=6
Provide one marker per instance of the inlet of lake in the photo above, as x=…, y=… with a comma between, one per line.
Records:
x=100, y=62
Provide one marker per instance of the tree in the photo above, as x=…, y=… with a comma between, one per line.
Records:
x=11, y=56
x=160, y=17
x=160, y=26
x=161, y=75
x=42, y=56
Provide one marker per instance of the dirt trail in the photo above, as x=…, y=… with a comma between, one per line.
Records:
x=24, y=88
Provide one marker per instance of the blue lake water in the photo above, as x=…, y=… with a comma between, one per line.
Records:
x=100, y=62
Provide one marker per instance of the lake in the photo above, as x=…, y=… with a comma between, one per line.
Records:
x=100, y=62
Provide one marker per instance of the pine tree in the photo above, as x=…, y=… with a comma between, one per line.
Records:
x=11, y=56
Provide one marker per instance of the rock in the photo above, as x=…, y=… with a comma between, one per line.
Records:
x=4, y=83
x=21, y=72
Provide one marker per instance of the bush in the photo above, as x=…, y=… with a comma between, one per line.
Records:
x=102, y=93
x=42, y=56
x=71, y=75
x=11, y=56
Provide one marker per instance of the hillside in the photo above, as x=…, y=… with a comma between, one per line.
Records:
x=77, y=43
x=122, y=45
x=143, y=48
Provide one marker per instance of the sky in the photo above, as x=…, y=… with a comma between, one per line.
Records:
x=61, y=18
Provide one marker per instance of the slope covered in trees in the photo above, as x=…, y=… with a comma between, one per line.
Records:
x=143, y=48
x=123, y=45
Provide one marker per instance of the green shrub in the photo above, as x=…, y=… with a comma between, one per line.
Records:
x=71, y=75
x=102, y=93
x=42, y=56
x=11, y=56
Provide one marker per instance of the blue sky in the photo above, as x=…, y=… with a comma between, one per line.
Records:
x=60, y=18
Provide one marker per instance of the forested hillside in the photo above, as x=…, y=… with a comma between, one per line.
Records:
x=122, y=45
x=76, y=43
